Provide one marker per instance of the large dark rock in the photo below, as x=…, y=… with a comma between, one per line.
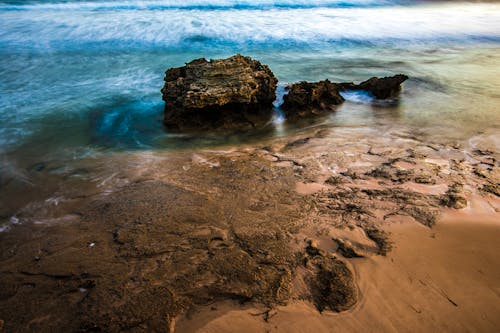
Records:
x=233, y=92
x=380, y=88
x=306, y=98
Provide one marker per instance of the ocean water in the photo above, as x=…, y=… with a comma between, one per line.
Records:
x=82, y=78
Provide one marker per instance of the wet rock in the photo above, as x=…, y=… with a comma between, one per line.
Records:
x=347, y=249
x=296, y=143
x=425, y=178
x=312, y=248
x=131, y=312
x=492, y=188
x=452, y=198
x=425, y=215
x=380, y=88
x=381, y=238
x=335, y=180
x=309, y=98
x=315, y=98
x=233, y=92
x=391, y=173
x=333, y=288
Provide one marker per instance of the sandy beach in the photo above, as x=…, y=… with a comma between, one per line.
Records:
x=442, y=279
x=405, y=230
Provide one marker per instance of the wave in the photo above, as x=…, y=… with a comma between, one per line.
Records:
x=191, y=5
x=317, y=27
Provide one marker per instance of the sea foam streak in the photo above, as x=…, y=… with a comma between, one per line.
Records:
x=182, y=4
x=176, y=28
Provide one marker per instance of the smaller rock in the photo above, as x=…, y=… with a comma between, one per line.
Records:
x=381, y=238
x=452, y=197
x=312, y=248
x=347, y=249
x=309, y=98
x=380, y=88
x=425, y=178
x=492, y=188
x=335, y=180
x=453, y=200
x=334, y=286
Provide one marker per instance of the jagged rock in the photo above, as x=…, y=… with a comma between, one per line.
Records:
x=311, y=98
x=453, y=198
x=233, y=92
x=306, y=98
x=380, y=88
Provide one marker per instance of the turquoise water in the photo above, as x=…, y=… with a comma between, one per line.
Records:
x=78, y=77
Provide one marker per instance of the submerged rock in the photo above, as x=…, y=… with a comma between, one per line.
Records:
x=306, y=98
x=380, y=88
x=218, y=93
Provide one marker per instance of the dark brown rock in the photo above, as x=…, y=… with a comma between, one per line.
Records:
x=306, y=98
x=347, y=249
x=312, y=98
x=333, y=287
x=453, y=197
x=218, y=93
x=380, y=88
x=381, y=238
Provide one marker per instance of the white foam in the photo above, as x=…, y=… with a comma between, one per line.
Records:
x=49, y=30
x=191, y=4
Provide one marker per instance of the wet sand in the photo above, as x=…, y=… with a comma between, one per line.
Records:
x=440, y=279
x=348, y=229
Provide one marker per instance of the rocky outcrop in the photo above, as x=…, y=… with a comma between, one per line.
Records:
x=233, y=92
x=311, y=98
x=306, y=98
x=380, y=88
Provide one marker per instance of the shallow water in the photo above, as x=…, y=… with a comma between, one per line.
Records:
x=80, y=79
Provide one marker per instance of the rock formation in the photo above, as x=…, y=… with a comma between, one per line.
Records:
x=305, y=98
x=238, y=92
x=380, y=88
x=310, y=98
x=233, y=92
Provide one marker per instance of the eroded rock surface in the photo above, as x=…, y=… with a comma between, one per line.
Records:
x=313, y=98
x=233, y=92
x=380, y=88
x=306, y=98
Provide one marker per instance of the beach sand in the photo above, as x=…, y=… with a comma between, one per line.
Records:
x=441, y=279
x=351, y=230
